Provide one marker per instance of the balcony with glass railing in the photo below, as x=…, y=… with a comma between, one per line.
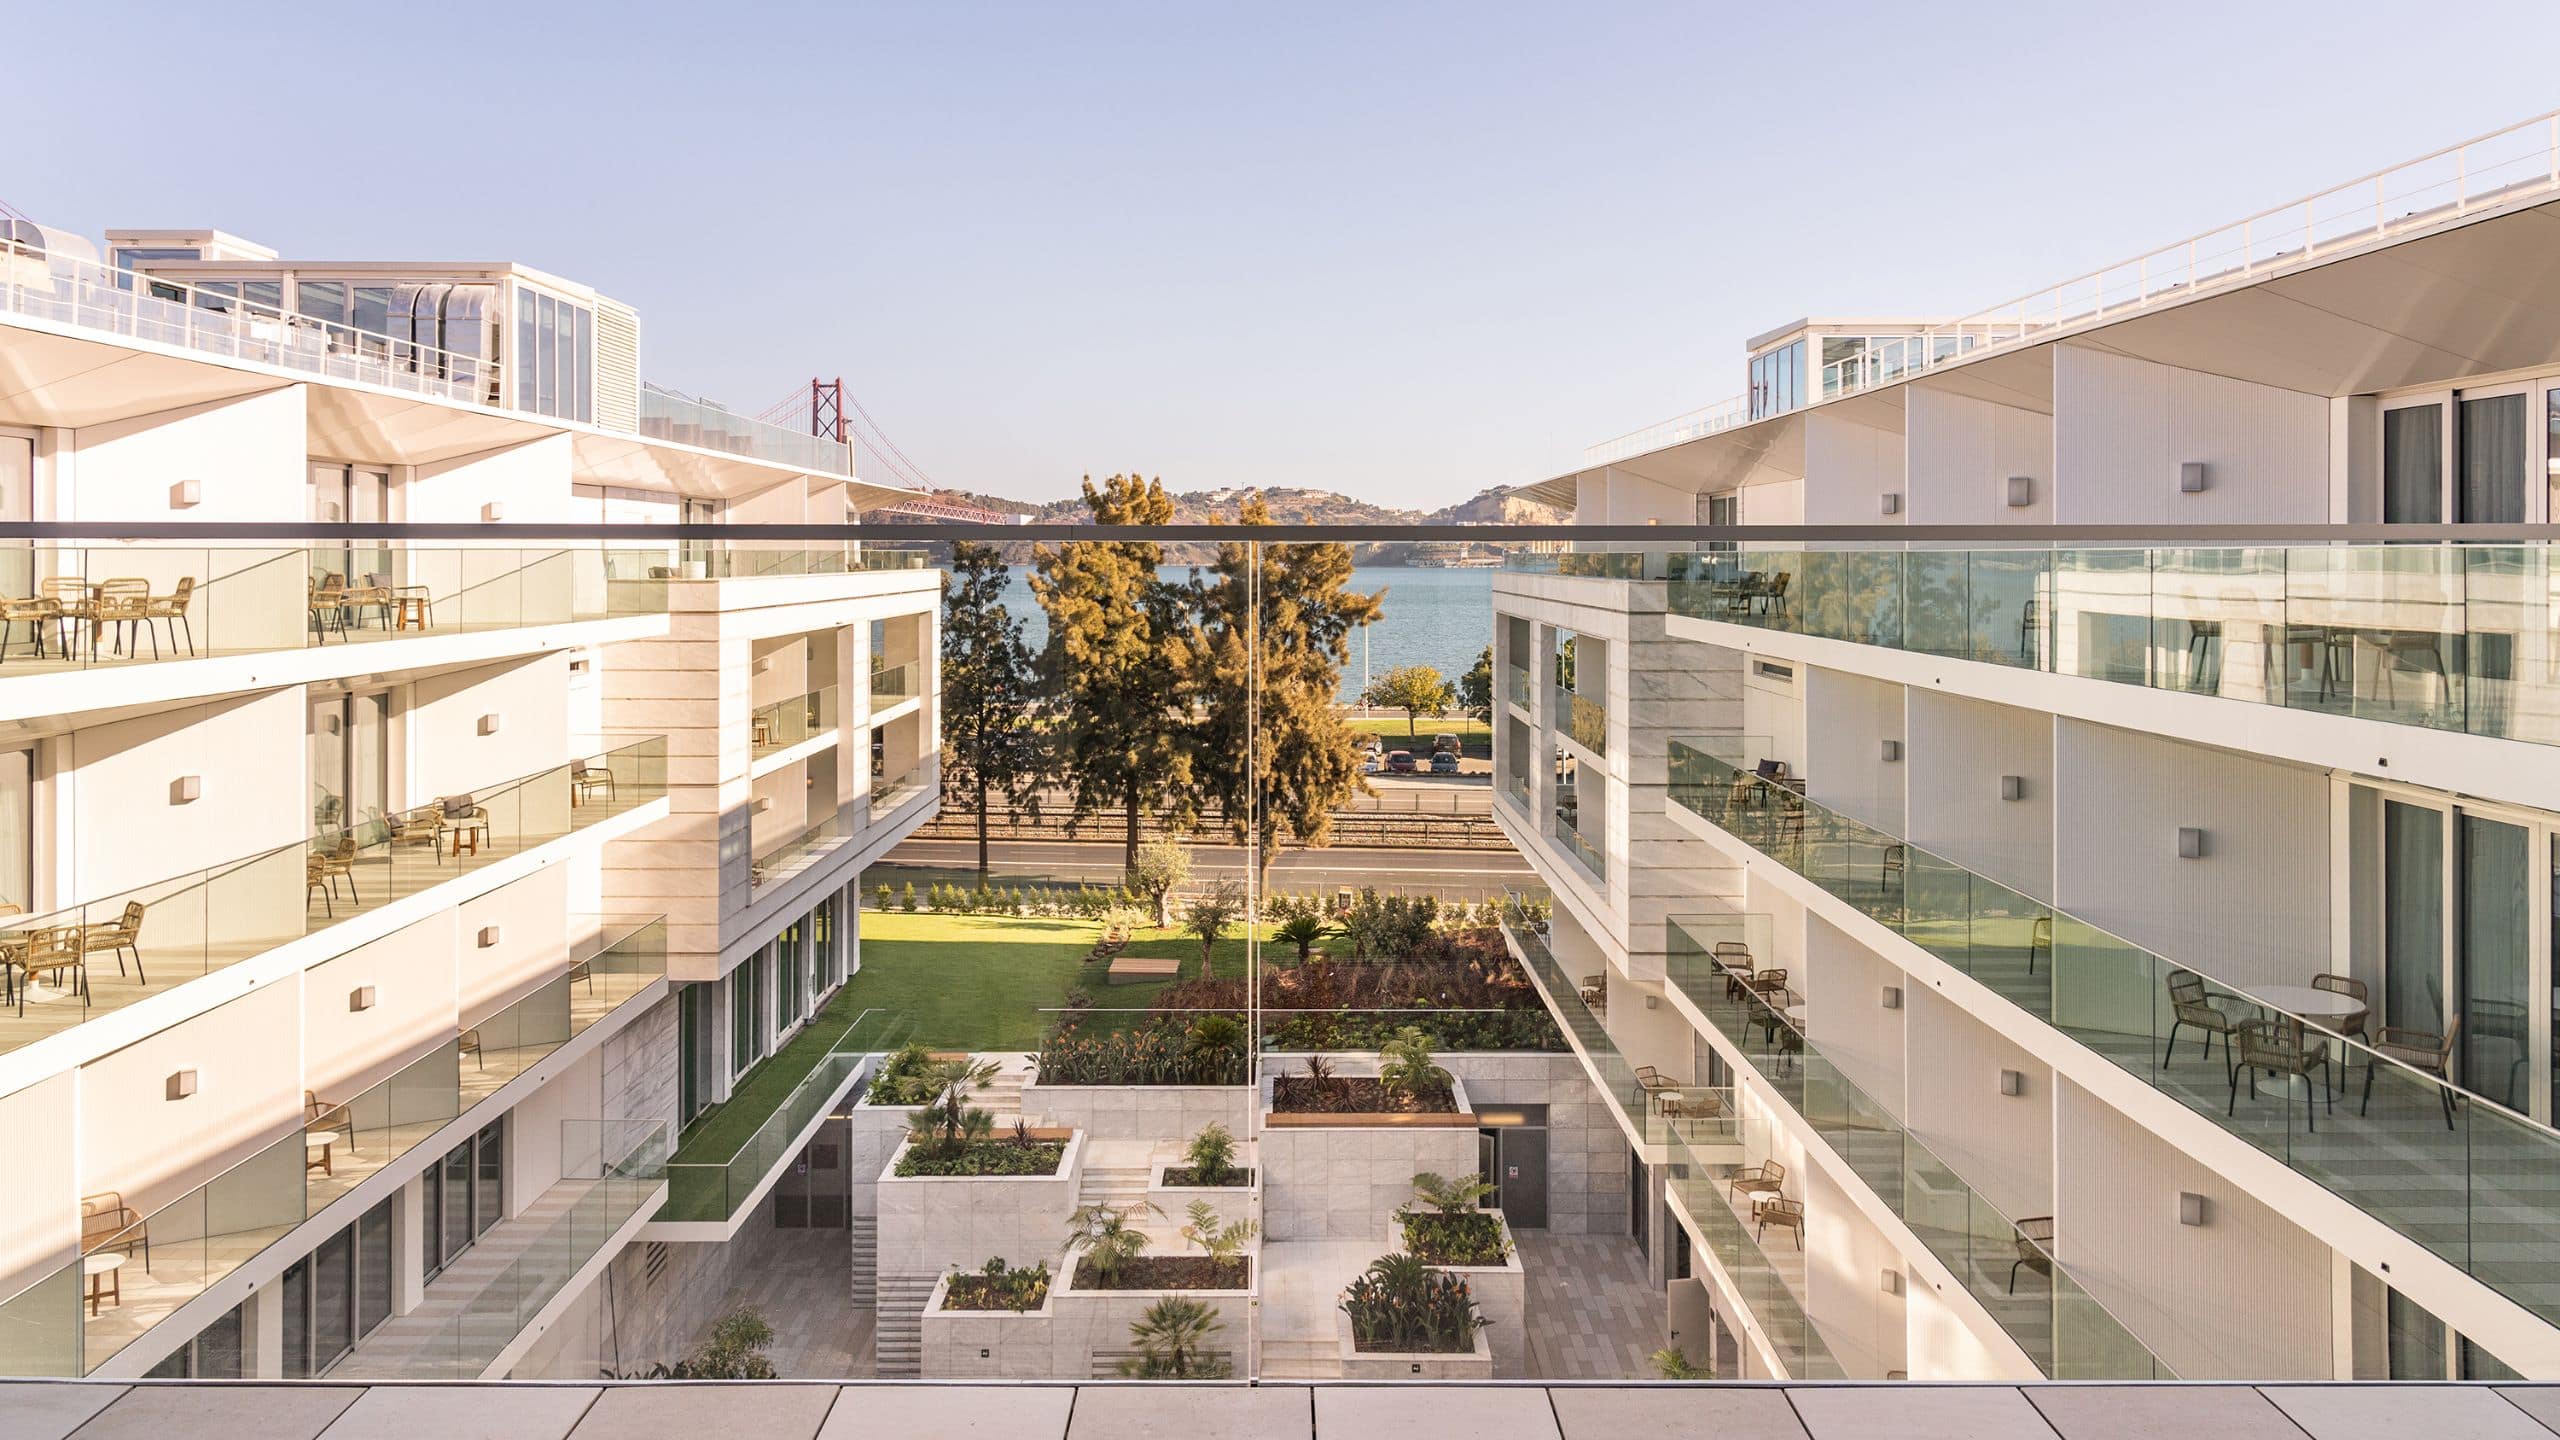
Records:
x=2471, y=1181
x=1516, y=685
x=218, y=320
x=895, y=684
x=731, y=1150
x=686, y=420
x=69, y=965
x=1586, y=719
x=1655, y=1107
x=90, y=607
x=2449, y=637
x=2011, y=1270
x=785, y=723
x=1770, y=1283
x=611, y=1172
x=164, y=1252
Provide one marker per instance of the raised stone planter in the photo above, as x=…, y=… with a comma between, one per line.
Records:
x=1502, y=1293
x=988, y=1344
x=1140, y=1112
x=873, y=1133
x=1092, y=1328
x=1357, y=1364
x=933, y=1223
x=1341, y=1177
x=1232, y=1202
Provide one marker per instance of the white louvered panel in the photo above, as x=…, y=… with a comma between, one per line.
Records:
x=617, y=366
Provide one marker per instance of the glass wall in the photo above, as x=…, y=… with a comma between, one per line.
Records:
x=554, y=363
x=1778, y=380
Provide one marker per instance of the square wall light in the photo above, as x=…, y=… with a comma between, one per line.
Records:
x=1892, y=751
x=361, y=998
x=1890, y=503
x=492, y=724
x=186, y=790
x=2013, y=1083
x=2190, y=843
x=1892, y=999
x=490, y=935
x=182, y=1085
x=2190, y=1208
x=186, y=495
x=2191, y=477
x=2013, y=787
x=2022, y=491
x=494, y=511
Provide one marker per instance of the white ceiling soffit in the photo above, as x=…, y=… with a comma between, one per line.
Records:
x=399, y=430
x=70, y=381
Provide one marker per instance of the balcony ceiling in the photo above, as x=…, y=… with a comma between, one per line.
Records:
x=628, y=462
x=70, y=381
x=355, y=424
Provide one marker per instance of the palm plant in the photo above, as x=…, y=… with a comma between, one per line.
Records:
x=1451, y=1197
x=1405, y=1066
x=1221, y=1241
x=1672, y=1363
x=1106, y=1237
x=1303, y=930
x=948, y=1119
x=1212, y=1154
x=1172, y=1339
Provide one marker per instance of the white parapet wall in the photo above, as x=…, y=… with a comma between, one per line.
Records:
x=1232, y=1202
x=1345, y=1182
x=873, y=1133
x=1075, y=1334
x=988, y=1344
x=1357, y=1364
x=933, y=1223
x=1139, y=1112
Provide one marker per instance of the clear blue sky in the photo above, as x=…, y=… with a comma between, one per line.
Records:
x=1403, y=251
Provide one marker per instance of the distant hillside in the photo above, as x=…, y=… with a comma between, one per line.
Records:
x=1291, y=506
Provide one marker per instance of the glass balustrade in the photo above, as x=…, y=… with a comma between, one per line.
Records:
x=786, y=723
x=891, y=684
x=1654, y=1106
x=895, y=793
x=2009, y=1267
x=1515, y=685
x=610, y=1171
x=62, y=967
x=714, y=1173
x=78, y=608
x=161, y=1251
x=1768, y=1283
x=2472, y=1182
x=2452, y=637
x=1587, y=721
x=670, y=415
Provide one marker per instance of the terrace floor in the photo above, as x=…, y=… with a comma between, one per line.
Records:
x=1594, y=1313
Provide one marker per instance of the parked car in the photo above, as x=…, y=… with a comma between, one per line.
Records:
x=1400, y=762
x=1444, y=744
x=1371, y=763
x=1444, y=763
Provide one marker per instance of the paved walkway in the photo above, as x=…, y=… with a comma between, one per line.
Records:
x=1593, y=1315
x=803, y=1284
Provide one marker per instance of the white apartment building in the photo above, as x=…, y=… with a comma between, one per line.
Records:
x=2097, y=957
x=375, y=915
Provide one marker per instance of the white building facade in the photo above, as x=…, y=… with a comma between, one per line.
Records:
x=377, y=913
x=2121, y=955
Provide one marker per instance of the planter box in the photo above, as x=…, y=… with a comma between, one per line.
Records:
x=1502, y=1293
x=987, y=1344
x=1327, y=1177
x=1141, y=1112
x=1475, y=1364
x=1092, y=1328
x=1232, y=1202
x=934, y=1223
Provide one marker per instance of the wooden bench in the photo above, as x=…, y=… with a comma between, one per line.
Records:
x=1139, y=969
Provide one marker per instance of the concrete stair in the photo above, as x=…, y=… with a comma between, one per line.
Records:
x=1001, y=1097
x=864, y=1233
x=898, y=1345
x=1301, y=1359
x=1122, y=1187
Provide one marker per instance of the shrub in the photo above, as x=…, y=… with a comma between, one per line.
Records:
x=1106, y=1238
x=1451, y=1197
x=1212, y=1154
x=999, y=1286
x=1158, y=1052
x=1406, y=1069
x=907, y=901
x=885, y=899
x=905, y=1078
x=982, y=1156
x=1172, y=1340
x=1672, y=1363
x=1402, y=1305
x=735, y=1351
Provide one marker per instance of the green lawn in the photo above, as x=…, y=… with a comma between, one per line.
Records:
x=1475, y=738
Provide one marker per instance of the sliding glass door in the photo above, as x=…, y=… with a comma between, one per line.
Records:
x=2496, y=960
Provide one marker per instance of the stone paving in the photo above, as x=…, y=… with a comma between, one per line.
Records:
x=1593, y=1314
x=803, y=1286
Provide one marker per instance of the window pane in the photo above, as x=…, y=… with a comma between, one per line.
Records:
x=488, y=1203
x=373, y=1262
x=521, y=364
x=582, y=355
x=322, y=300
x=2413, y=465
x=2496, y=960
x=546, y=355
x=457, y=1201
x=333, y=1300
x=2493, y=460
x=2413, y=917
x=218, y=1349
x=295, y=1295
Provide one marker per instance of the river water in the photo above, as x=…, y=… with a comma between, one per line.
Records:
x=1440, y=618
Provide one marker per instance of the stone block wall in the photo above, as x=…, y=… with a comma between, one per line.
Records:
x=1140, y=1112
x=929, y=1224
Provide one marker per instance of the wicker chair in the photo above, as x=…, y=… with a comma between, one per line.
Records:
x=2421, y=1050
x=468, y=1042
x=120, y=937
x=328, y=605
x=73, y=604
x=2280, y=1047
x=1766, y=1178
x=171, y=611
x=1595, y=993
x=2351, y=1026
x=1890, y=868
x=125, y=604
x=107, y=1223
x=1770, y=985
x=1735, y=960
x=586, y=779
x=2035, y=1249
x=2189, y=1005
x=319, y=1114
x=37, y=612
x=53, y=949
x=1780, y=1211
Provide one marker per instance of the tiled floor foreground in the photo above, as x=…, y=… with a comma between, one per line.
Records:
x=784, y=1410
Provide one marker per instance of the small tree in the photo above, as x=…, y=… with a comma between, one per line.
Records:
x=1405, y=1066
x=1475, y=688
x=1172, y=1339
x=735, y=1351
x=907, y=899
x=1106, y=1238
x=1417, y=690
x=1163, y=864
x=1211, y=915
x=886, y=897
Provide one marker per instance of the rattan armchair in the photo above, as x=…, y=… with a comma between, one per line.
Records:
x=2189, y=1005
x=36, y=612
x=120, y=937
x=2035, y=1249
x=107, y=1223
x=125, y=604
x=328, y=605
x=1780, y=1211
x=586, y=779
x=2282, y=1047
x=53, y=950
x=74, y=604
x=2424, y=1051
x=2351, y=1026
x=1766, y=1178
x=319, y=1114
x=170, y=611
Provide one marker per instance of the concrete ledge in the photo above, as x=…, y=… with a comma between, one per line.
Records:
x=1358, y=1364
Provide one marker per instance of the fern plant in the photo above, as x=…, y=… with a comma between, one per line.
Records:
x=1220, y=1241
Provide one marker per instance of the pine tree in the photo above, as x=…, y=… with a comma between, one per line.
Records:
x=990, y=689
x=1293, y=760
x=1115, y=637
x=1475, y=688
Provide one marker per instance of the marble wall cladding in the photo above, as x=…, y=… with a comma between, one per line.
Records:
x=929, y=1224
x=1140, y=1112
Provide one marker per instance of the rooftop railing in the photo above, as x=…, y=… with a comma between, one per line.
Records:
x=1696, y=1114
x=190, y=926
x=212, y=320
x=2454, y=1172
x=2445, y=636
x=670, y=415
x=85, y=607
x=714, y=1173
x=2068, y=1333
x=2518, y=163
x=164, y=1251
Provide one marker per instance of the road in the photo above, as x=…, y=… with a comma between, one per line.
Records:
x=1456, y=874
